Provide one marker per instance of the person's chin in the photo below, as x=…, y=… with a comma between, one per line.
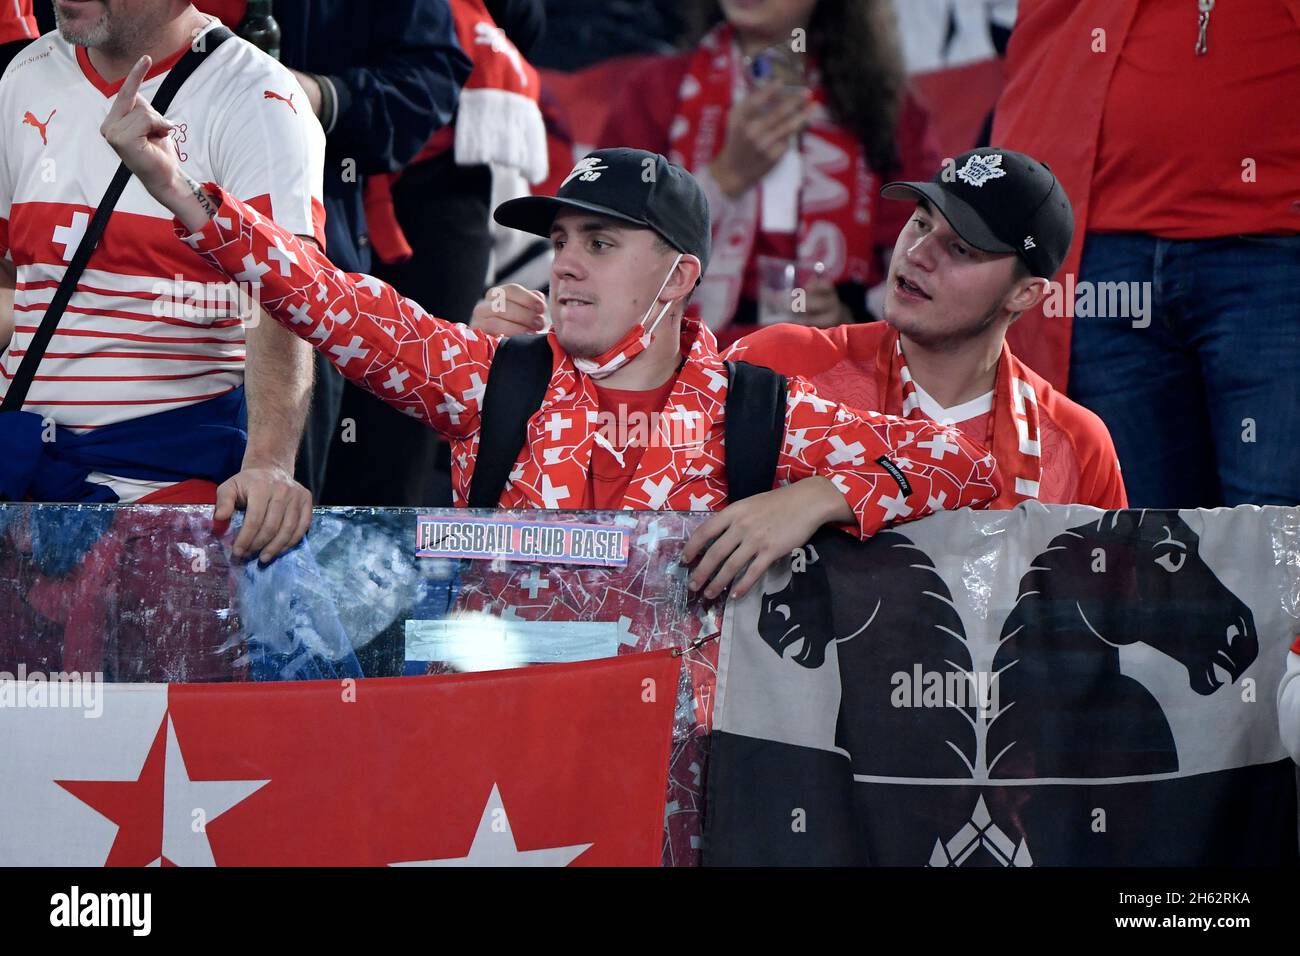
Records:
x=900, y=307
x=80, y=22
x=577, y=345
x=916, y=320
x=83, y=13
x=741, y=8
x=749, y=14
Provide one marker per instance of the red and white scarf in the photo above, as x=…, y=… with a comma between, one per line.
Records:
x=1013, y=423
x=837, y=194
x=498, y=122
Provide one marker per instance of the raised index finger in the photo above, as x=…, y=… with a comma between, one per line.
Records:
x=130, y=87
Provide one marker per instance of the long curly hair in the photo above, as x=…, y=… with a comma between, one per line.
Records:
x=855, y=43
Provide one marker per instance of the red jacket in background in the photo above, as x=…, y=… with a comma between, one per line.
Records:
x=229, y=12
x=17, y=22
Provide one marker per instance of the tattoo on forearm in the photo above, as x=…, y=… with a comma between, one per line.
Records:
x=205, y=201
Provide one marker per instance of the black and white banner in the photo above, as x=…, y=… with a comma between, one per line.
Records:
x=1043, y=686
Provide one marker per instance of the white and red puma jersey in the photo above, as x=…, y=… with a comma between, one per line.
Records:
x=133, y=340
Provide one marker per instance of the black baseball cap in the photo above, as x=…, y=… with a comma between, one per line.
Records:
x=999, y=200
x=632, y=185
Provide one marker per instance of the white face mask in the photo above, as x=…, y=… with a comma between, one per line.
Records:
x=636, y=341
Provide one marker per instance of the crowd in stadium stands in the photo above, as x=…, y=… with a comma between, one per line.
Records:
x=1140, y=261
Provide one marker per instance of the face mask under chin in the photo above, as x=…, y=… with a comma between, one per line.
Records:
x=635, y=341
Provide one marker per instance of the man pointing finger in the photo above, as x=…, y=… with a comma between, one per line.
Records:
x=631, y=237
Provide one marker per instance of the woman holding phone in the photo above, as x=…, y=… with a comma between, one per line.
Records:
x=791, y=113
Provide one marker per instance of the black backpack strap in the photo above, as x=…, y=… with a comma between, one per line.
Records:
x=755, y=427
x=521, y=370
x=22, y=380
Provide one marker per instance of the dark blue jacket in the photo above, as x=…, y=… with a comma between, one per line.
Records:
x=398, y=70
x=204, y=440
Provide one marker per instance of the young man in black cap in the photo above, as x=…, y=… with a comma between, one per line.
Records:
x=987, y=234
x=631, y=236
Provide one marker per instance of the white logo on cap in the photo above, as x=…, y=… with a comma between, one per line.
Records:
x=1029, y=243
x=588, y=170
x=980, y=169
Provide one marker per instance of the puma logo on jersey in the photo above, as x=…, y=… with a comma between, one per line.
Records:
x=29, y=119
x=272, y=95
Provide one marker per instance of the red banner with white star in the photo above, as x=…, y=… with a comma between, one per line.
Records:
x=546, y=766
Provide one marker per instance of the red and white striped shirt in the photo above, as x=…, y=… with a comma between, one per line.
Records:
x=152, y=326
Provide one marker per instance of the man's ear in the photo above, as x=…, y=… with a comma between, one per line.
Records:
x=1025, y=294
x=683, y=278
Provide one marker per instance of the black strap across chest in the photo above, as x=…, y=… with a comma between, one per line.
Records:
x=516, y=386
x=26, y=373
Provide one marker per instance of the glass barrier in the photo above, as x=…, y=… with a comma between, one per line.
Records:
x=151, y=594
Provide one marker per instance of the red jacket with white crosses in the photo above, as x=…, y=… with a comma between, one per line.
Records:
x=436, y=370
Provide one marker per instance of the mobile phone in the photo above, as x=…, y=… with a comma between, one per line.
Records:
x=777, y=64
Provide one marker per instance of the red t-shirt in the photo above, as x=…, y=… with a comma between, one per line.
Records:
x=1079, y=465
x=978, y=428
x=1177, y=127
x=17, y=22
x=635, y=415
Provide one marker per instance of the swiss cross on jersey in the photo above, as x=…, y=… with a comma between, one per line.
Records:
x=435, y=371
x=137, y=338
